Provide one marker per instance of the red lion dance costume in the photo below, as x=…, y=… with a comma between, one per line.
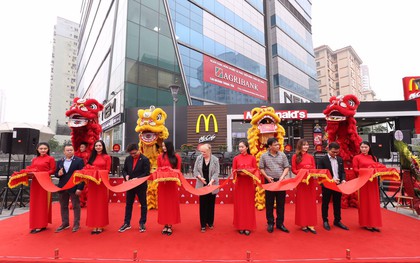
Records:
x=341, y=128
x=83, y=122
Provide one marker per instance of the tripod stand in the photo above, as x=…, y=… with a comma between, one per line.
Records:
x=19, y=196
x=5, y=191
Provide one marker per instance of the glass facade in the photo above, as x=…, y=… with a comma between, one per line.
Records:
x=231, y=31
x=291, y=58
x=139, y=48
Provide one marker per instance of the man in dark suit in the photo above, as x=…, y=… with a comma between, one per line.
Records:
x=335, y=164
x=65, y=168
x=136, y=165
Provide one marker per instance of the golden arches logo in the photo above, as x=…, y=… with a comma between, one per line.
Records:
x=206, y=123
x=413, y=84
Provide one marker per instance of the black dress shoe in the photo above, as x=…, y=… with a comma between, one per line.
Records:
x=247, y=232
x=327, y=226
x=283, y=228
x=241, y=232
x=376, y=229
x=312, y=230
x=270, y=228
x=369, y=229
x=305, y=229
x=341, y=225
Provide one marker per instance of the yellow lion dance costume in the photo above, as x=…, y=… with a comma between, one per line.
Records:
x=265, y=124
x=152, y=132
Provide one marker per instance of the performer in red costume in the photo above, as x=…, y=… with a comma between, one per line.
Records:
x=40, y=200
x=244, y=218
x=168, y=194
x=369, y=203
x=305, y=208
x=97, y=203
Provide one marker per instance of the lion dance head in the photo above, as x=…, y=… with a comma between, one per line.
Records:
x=83, y=122
x=152, y=132
x=265, y=124
x=342, y=126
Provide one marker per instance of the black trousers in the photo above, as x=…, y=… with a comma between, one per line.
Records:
x=336, y=198
x=140, y=191
x=63, y=198
x=207, y=203
x=280, y=197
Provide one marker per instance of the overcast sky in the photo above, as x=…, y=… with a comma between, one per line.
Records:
x=383, y=33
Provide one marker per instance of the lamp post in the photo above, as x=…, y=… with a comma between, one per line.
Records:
x=174, y=91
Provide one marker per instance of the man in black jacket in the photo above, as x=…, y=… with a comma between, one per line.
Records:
x=64, y=171
x=335, y=164
x=136, y=165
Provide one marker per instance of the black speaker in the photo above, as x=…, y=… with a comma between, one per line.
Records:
x=6, y=142
x=25, y=140
x=380, y=144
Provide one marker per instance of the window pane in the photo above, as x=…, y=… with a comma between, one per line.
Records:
x=166, y=53
x=148, y=46
x=147, y=76
x=149, y=18
x=131, y=71
x=130, y=96
x=165, y=79
x=132, y=40
x=147, y=97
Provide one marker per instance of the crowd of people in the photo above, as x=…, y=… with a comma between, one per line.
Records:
x=273, y=166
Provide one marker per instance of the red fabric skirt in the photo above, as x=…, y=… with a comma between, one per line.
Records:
x=305, y=207
x=39, y=206
x=244, y=204
x=168, y=204
x=97, y=205
x=369, y=205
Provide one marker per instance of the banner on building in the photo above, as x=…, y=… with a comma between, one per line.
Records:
x=228, y=76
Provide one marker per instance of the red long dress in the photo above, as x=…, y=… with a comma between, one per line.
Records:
x=168, y=196
x=244, y=195
x=305, y=207
x=97, y=204
x=40, y=200
x=369, y=203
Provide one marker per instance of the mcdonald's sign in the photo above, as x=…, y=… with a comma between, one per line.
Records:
x=206, y=123
x=411, y=88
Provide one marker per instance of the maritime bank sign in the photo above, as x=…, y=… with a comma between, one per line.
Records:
x=227, y=76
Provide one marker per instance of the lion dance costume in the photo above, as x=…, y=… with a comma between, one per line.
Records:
x=265, y=124
x=341, y=128
x=152, y=132
x=83, y=122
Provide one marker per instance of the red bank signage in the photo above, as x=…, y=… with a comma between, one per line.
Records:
x=228, y=76
x=284, y=114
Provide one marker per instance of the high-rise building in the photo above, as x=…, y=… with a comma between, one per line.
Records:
x=63, y=76
x=217, y=51
x=368, y=94
x=338, y=72
x=290, y=51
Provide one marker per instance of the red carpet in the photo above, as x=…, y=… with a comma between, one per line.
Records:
x=397, y=242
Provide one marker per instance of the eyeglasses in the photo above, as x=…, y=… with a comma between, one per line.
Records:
x=133, y=153
x=334, y=152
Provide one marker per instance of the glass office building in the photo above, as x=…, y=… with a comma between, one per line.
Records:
x=217, y=51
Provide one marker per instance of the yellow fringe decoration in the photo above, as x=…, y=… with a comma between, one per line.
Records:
x=168, y=179
x=152, y=192
x=88, y=177
x=317, y=176
x=18, y=176
x=386, y=176
x=254, y=178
